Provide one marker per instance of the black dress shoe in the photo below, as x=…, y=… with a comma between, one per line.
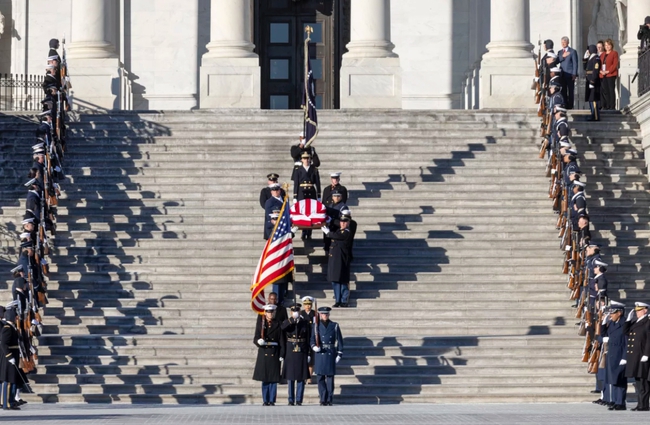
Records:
x=291, y=404
x=337, y=305
x=641, y=409
x=323, y=404
x=617, y=407
x=271, y=404
x=299, y=403
x=265, y=404
x=594, y=391
x=634, y=409
x=599, y=401
x=344, y=305
x=14, y=407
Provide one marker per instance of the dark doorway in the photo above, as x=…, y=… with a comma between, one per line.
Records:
x=279, y=40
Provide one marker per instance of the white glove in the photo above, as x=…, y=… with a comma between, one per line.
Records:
x=605, y=339
x=294, y=229
x=587, y=54
x=316, y=349
x=261, y=342
x=338, y=359
x=308, y=359
x=644, y=359
x=12, y=361
x=630, y=316
x=623, y=362
x=281, y=359
x=293, y=201
x=591, y=86
x=325, y=230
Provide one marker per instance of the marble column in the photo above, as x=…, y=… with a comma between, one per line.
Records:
x=230, y=70
x=92, y=59
x=637, y=10
x=371, y=75
x=507, y=68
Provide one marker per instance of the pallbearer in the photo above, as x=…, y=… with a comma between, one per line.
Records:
x=637, y=352
x=327, y=343
x=295, y=368
x=614, y=336
x=268, y=337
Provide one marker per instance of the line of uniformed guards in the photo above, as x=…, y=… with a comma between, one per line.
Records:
x=21, y=321
x=295, y=347
x=616, y=347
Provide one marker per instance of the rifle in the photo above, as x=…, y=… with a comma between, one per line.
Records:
x=603, y=355
x=586, y=348
x=316, y=324
x=593, y=359
x=581, y=306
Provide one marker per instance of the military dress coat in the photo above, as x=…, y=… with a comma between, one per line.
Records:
x=331, y=346
x=309, y=317
x=267, y=366
x=338, y=266
x=270, y=205
x=297, y=334
x=638, y=345
x=327, y=194
x=265, y=195
x=296, y=153
x=592, y=94
x=9, y=350
x=616, y=351
x=306, y=176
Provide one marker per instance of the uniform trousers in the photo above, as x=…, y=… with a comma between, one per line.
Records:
x=8, y=394
x=606, y=393
x=619, y=394
x=642, y=387
x=325, y=388
x=296, y=391
x=595, y=113
x=341, y=292
x=269, y=392
x=568, y=89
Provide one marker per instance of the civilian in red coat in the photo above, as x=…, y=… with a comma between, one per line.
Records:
x=608, y=75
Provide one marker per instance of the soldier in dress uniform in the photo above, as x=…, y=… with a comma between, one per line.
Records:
x=270, y=342
x=306, y=184
x=308, y=315
x=298, y=150
x=327, y=344
x=578, y=203
x=335, y=185
x=338, y=267
x=295, y=368
x=265, y=193
x=334, y=213
x=616, y=340
x=9, y=360
x=638, y=350
x=353, y=231
x=273, y=204
x=592, y=89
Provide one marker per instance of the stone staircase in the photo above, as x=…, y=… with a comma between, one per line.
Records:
x=457, y=293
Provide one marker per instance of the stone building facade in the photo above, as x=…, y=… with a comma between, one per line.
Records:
x=410, y=54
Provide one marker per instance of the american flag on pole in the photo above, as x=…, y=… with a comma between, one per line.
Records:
x=276, y=260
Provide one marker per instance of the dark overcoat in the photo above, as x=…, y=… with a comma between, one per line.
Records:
x=637, y=347
x=592, y=94
x=338, y=266
x=265, y=195
x=309, y=175
x=297, y=333
x=270, y=205
x=9, y=350
x=267, y=366
x=309, y=317
x=331, y=345
x=327, y=194
x=616, y=347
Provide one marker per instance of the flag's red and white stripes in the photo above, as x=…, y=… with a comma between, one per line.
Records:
x=276, y=260
x=308, y=213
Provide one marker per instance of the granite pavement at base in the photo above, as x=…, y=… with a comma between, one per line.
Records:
x=406, y=414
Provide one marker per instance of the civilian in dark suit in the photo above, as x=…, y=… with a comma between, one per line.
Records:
x=568, y=58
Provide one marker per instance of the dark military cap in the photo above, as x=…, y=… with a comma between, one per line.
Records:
x=325, y=310
x=10, y=314
x=336, y=193
x=647, y=20
x=295, y=307
x=273, y=176
x=548, y=44
x=54, y=43
x=344, y=218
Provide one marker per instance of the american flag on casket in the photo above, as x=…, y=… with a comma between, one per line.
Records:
x=308, y=214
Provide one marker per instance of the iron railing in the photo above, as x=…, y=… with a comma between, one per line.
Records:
x=20, y=92
x=644, y=72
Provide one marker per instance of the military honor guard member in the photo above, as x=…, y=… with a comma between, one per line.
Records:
x=265, y=193
x=335, y=185
x=352, y=225
x=327, y=344
x=270, y=342
x=298, y=150
x=295, y=368
x=637, y=352
x=306, y=184
x=334, y=213
x=616, y=340
x=592, y=90
x=10, y=375
x=271, y=206
x=338, y=266
x=308, y=314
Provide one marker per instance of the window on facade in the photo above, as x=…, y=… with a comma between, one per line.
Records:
x=279, y=69
x=279, y=33
x=279, y=102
